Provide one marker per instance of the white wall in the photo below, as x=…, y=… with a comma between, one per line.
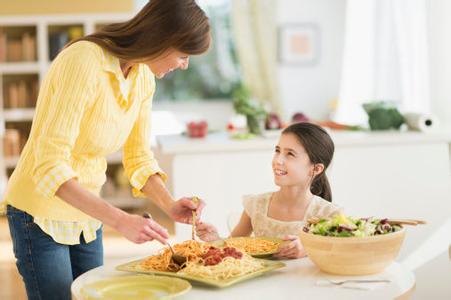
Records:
x=216, y=112
x=440, y=54
x=311, y=88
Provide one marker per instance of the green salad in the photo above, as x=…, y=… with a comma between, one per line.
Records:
x=342, y=226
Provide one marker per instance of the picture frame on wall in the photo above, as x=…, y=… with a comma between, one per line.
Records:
x=299, y=44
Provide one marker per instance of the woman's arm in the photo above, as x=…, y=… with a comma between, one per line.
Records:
x=179, y=211
x=156, y=190
x=141, y=167
x=244, y=227
x=135, y=228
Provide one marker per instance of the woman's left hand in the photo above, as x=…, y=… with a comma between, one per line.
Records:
x=182, y=210
x=292, y=248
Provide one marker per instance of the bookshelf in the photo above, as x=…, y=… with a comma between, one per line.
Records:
x=28, y=44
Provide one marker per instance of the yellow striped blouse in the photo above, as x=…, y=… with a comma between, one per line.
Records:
x=86, y=110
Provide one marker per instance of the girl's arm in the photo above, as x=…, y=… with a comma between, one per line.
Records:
x=208, y=233
x=244, y=227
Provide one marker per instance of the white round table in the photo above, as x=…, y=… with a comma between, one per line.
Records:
x=298, y=280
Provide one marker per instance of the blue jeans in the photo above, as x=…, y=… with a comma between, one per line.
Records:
x=47, y=267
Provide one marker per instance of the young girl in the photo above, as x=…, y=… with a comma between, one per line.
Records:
x=301, y=157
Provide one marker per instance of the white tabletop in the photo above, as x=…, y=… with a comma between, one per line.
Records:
x=299, y=279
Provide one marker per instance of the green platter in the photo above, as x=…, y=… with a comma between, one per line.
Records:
x=267, y=254
x=268, y=266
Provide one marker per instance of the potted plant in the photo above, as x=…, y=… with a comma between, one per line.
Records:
x=254, y=112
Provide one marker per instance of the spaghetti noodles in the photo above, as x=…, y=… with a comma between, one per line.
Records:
x=229, y=267
x=193, y=220
x=190, y=249
x=253, y=245
x=204, y=261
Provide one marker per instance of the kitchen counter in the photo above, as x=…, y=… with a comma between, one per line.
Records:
x=220, y=141
x=298, y=280
x=384, y=174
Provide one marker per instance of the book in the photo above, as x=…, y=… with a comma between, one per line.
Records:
x=57, y=41
x=13, y=96
x=2, y=46
x=14, y=50
x=28, y=47
x=23, y=94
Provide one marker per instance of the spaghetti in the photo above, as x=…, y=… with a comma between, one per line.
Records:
x=203, y=261
x=229, y=267
x=253, y=245
x=190, y=249
x=193, y=220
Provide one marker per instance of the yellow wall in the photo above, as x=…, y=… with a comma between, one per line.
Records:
x=21, y=7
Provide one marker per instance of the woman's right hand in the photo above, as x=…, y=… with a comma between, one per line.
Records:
x=206, y=232
x=140, y=230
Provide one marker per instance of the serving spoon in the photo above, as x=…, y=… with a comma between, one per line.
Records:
x=178, y=259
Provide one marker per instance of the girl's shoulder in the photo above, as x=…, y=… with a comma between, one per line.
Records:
x=255, y=202
x=322, y=208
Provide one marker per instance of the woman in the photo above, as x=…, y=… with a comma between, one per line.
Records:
x=96, y=99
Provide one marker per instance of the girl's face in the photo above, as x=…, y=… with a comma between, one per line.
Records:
x=169, y=61
x=290, y=164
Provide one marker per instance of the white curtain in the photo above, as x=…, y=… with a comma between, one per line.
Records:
x=385, y=57
x=255, y=32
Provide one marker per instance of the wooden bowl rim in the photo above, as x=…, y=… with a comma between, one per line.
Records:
x=354, y=239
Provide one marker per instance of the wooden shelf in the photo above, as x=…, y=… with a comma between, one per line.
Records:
x=19, y=67
x=11, y=162
x=34, y=32
x=18, y=114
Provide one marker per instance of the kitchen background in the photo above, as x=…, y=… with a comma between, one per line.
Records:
x=319, y=59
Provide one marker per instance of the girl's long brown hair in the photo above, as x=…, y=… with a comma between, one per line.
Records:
x=159, y=26
x=320, y=149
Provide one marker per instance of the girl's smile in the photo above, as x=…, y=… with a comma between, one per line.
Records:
x=279, y=172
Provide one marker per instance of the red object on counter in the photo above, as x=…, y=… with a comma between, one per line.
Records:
x=197, y=129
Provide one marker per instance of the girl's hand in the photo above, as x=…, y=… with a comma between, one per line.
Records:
x=182, y=210
x=291, y=249
x=139, y=229
x=206, y=232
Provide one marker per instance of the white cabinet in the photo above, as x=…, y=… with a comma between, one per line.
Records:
x=373, y=174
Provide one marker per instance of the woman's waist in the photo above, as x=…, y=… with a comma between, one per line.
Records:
x=91, y=174
x=78, y=161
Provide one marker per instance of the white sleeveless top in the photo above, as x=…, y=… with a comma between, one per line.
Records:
x=256, y=206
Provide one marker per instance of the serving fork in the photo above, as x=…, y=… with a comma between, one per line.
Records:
x=341, y=282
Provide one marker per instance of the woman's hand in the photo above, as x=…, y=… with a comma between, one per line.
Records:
x=206, y=232
x=291, y=249
x=182, y=210
x=139, y=229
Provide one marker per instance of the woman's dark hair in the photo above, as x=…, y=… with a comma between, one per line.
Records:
x=159, y=26
x=320, y=149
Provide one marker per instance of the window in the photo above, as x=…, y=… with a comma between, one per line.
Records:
x=210, y=76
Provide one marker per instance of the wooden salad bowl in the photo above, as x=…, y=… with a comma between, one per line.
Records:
x=353, y=255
